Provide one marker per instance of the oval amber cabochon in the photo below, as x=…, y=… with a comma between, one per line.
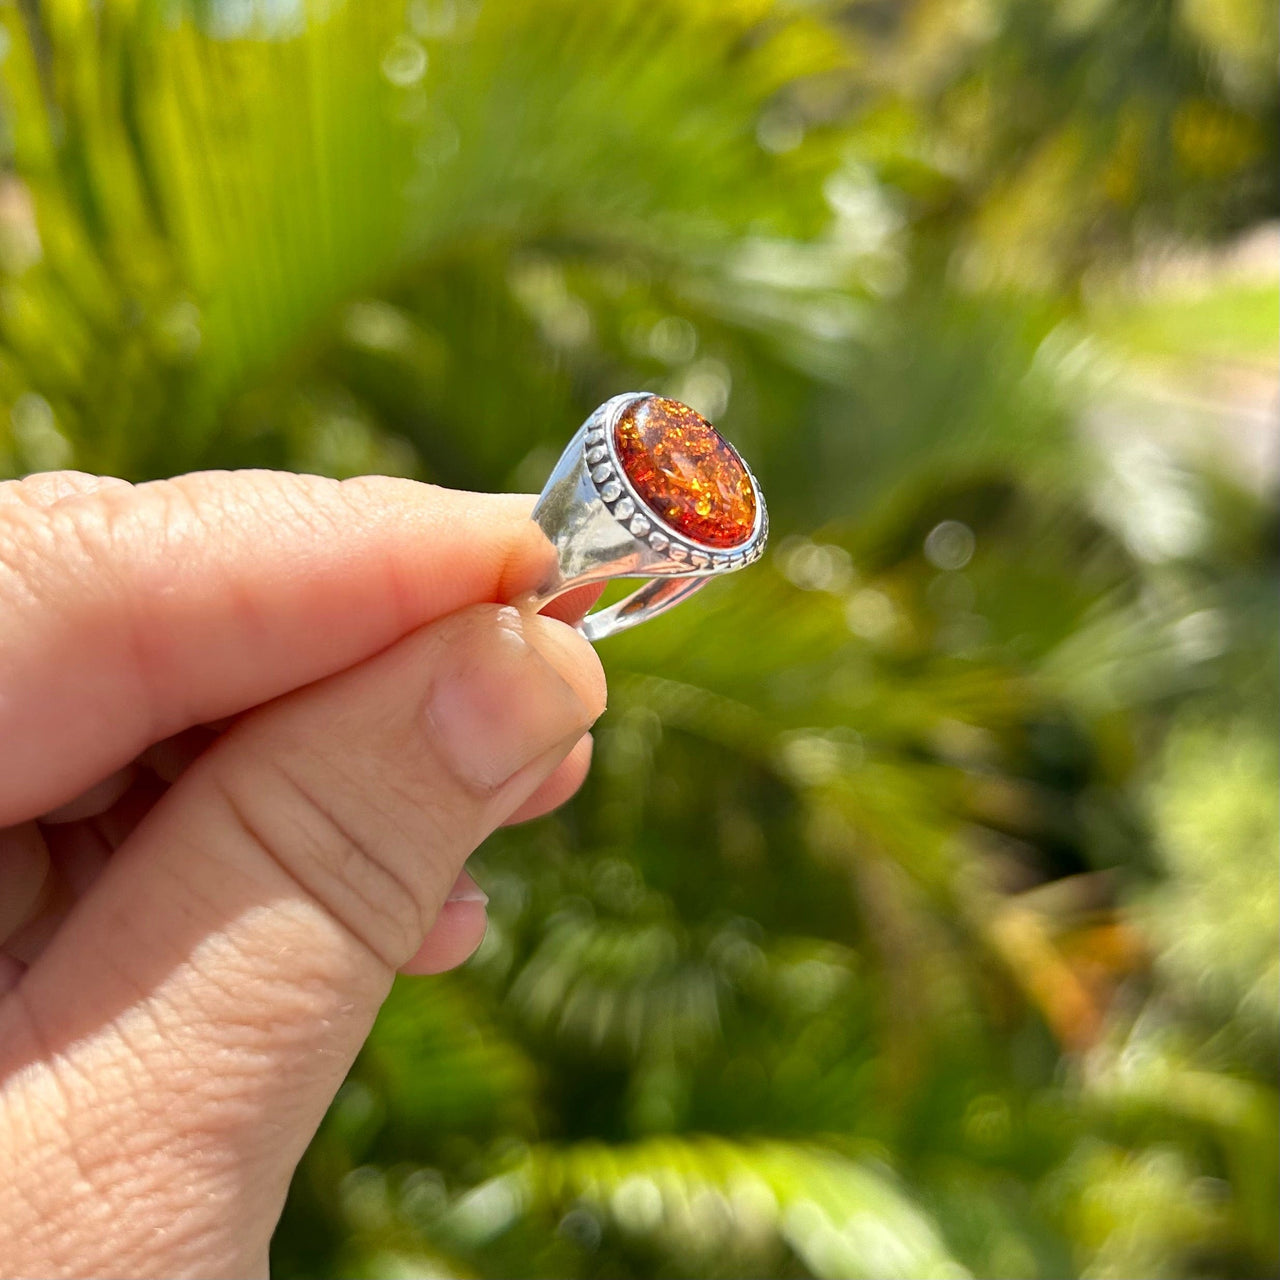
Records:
x=686, y=472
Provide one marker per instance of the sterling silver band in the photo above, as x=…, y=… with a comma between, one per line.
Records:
x=601, y=528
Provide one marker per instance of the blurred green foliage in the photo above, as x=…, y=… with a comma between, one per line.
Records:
x=920, y=915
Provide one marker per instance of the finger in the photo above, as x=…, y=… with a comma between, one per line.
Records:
x=129, y=614
x=24, y=872
x=44, y=488
x=115, y=825
x=78, y=853
x=30, y=939
x=459, y=929
x=97, y=799
x=573, y=606
x=170, y=759
x=559, y=787
x=205, y=1001
x=11, y=971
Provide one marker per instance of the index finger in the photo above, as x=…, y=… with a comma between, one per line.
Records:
x=130, y=613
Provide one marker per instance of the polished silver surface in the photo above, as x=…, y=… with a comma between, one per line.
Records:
x=602, y=529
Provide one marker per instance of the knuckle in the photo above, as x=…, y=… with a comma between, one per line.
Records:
x=346, y=845
x=50, y=561
x=54, y=549
x=15, y=537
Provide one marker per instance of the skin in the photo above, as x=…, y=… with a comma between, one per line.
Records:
x=251, y=727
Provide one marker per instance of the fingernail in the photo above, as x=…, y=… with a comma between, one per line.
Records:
x=465, y=889
x=501, y=699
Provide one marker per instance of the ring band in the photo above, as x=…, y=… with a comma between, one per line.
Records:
x=647, y=488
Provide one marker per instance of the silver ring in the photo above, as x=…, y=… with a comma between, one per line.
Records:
x=609, y=516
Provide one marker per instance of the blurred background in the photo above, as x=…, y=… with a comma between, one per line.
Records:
x=920, y=915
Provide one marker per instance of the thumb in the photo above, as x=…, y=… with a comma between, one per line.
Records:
x=171, y=1053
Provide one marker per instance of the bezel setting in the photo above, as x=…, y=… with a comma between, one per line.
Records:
x=614, y=488
x=601, y=528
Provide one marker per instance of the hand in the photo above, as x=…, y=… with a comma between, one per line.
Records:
x=198, y=924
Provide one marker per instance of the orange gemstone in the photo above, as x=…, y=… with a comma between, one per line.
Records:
x=686, y=472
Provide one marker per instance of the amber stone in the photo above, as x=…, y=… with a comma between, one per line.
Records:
x=685, y=471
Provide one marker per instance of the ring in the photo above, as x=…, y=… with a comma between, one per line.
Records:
x=647, y=488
